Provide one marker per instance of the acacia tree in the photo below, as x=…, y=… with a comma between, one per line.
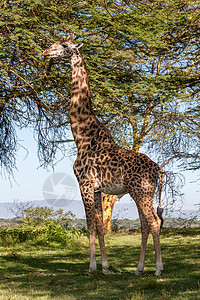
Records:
x=143, y=60
x=151, y=66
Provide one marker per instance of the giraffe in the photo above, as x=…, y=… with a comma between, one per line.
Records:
x=102, y=166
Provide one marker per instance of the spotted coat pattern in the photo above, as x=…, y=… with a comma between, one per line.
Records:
x=103, y=166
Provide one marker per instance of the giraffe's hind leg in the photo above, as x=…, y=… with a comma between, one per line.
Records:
x=150, y=218
x=153, y=221
x=145, y=234
x=100, y=232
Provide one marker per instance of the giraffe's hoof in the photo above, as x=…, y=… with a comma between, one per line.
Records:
x=140, y=269
x=105, y=271
x=159, y=269
x=158, y=272
x=90, y=272
x=138, y=272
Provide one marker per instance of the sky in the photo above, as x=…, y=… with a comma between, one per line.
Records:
x=32, y=182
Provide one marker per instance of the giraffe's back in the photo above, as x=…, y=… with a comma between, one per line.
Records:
x=111, y=169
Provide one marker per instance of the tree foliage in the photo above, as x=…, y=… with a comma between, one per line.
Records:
x=151, y=62
x=143, y=61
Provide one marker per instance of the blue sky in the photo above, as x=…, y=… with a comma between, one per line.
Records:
x=28, y=182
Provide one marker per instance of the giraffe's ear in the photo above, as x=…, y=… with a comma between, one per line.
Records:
x=61, y=41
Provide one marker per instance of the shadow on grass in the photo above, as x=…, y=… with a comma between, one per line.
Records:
x=61, y=273
x=180, y=231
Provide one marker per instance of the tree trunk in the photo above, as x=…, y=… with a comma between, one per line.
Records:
x=108, y=202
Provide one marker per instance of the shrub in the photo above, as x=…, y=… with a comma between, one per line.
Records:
x=42, y=226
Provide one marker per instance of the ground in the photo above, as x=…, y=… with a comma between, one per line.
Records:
x=58, y=272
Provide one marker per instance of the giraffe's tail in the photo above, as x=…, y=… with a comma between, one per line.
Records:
x=159, y=208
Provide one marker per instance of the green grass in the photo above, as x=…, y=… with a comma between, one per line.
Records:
x=56, y=272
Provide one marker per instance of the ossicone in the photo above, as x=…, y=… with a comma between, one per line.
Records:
x=70, y=38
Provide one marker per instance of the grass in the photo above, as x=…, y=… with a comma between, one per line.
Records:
x=56, y=272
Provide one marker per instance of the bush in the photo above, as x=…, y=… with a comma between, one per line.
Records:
x=42, y=226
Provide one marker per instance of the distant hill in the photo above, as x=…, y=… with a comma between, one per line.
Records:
x=121, y=210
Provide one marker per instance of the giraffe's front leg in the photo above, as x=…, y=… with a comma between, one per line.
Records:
x=93, y=264
x=87, y=193
x=100, y=232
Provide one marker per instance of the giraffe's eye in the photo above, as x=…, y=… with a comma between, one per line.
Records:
x=64, y=46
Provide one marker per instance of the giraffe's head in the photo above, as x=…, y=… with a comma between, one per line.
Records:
x=62, y=48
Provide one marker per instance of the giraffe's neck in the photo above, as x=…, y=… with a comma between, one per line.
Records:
x=80, y=106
